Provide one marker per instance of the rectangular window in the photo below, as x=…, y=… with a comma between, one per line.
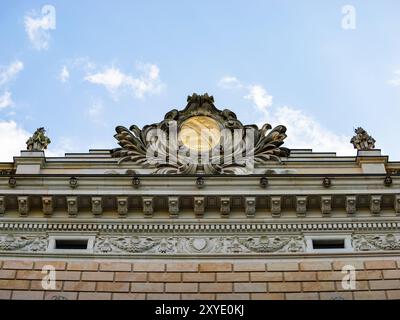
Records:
x=322, y=243
x=71, y=244
x=328, y=244
x=68, y=243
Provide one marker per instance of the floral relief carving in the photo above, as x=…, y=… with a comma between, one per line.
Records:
x=376, y=242
x=198, y=245
x=23, y=243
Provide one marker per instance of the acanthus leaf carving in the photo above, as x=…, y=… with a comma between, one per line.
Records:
x=198, y=245
x=150, y=147
x=23, y=243
x=376, y=242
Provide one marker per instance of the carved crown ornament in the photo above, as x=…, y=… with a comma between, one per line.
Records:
x=200, y=139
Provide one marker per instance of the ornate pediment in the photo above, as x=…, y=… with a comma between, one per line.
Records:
x=200, y=139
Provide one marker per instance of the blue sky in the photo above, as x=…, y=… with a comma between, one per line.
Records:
x=109, y=63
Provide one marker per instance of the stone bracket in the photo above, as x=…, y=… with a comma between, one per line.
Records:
x=122, y=206
x=23, y=206
x=72, y=206
x=173, y=207
x=397, y=204
x=199, y=206
x=225, y=206
x=250, y=206
x=276, y=204
x=375, y=204
x=326, y=204
x=2, y=204
x=351, y=204
x=47, y=205
x=301, y=206
x=97, y=206
x=148, y=206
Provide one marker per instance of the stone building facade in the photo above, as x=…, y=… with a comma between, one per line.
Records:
x=274, y=223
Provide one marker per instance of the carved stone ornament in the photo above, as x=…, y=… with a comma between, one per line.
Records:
x=175, y=145
x=22, y=243
x=376, y=242
x=198, y=245
x=362, y=140
x=39, y=141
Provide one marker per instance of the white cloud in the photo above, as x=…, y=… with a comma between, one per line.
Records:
x=12, y=140
x=8, y=73
x=95, y=113
x=59, y=149
x=64, y=74
x=116, y=81
x=261, y=99
x=303, y=131
x=5, y=100
x=396, y=80
x=229, y=82
x=38, y=28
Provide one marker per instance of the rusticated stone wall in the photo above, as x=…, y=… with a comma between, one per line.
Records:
x=225, y=279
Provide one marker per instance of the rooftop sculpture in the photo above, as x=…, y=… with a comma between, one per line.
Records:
x=362, y=140
x=39, y=141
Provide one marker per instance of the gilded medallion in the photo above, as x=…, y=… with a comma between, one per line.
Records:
x=200, y=133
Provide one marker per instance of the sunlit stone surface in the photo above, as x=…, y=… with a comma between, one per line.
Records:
x=200, y=133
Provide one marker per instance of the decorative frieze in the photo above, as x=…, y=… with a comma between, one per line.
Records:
x=72, y=206
x=23, y=205
x=376, y=242
x=351, y=204
x=225, y=206
x=276, y=204
x=326, y=204
x=301, y=205
x=122, y=206
x=148, y=206
x=199, y=206
x=23, y=243
x=47, y=205
x=173, y=206
x=97, y=206
x=375, y=204
x=198, y=245
x=250, y=206
x=2, y=204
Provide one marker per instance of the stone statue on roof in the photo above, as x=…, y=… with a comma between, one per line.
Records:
x=362, y=140
x=39, y=141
